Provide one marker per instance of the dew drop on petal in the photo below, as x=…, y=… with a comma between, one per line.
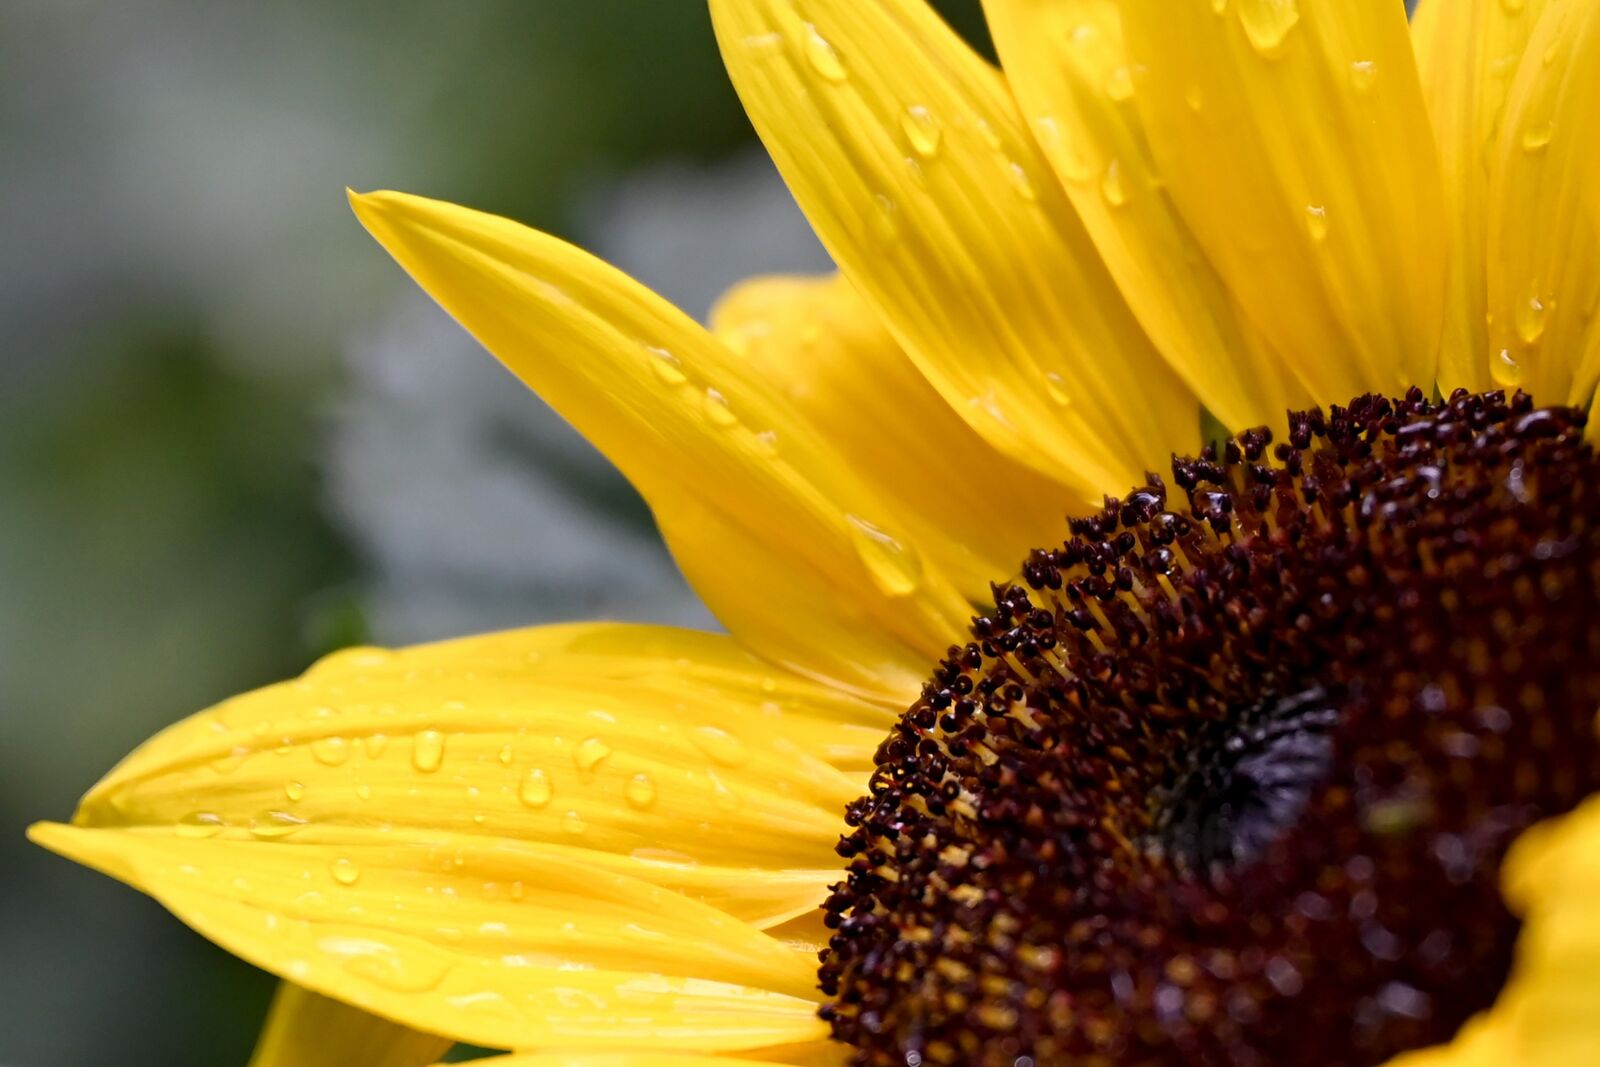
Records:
x=1021, y=183
x=1267, y=23
x=720, y=745
x=1363, y=72
x=1537, y=137
x=573, y=824
x=330, y=750
x=427, y=750
x=895, y=569
x=201, y=824
x=345, y=871
x=294, y=790
x=640, y=791
x=1055, y=388
x=271, y=824
x=1530, y=319
x=824, y=58
x=1507, y=371
x=535, y=790
x=1317, y=222
x=922, y=129
x=1112, y=187
x=507, y=753
x=589, y=753
x=666, y=366
x=717, y=410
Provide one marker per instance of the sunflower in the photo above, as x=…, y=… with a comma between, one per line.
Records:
x=1279, y=755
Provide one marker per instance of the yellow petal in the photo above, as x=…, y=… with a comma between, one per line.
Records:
x=816, y=1055
x=1308, y=173
x=482, y=940
x=1467, y=53
x=549, y=837
x=1067, y=63
x=974, y=511
x=911, y=160
x=775, y=532
x=305, y=1029
x=1544, y=251
x=660, y=754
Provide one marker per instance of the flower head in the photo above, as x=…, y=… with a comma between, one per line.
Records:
x=1286, y=755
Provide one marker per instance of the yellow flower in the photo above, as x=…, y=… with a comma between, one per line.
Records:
x=1225, y=781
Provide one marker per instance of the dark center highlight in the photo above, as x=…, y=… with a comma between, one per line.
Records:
x=1230, y=782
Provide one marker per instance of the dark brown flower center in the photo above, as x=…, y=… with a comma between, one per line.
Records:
x=1230, y=783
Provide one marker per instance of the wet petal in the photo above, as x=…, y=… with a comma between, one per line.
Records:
x=821, y=1054
x=1544, y=251
x=305, y=1029
x=784, y=543
x=908, y=155
x=1468, y=52
x=492, y=942
x=1068, y=66
x=974, y=511
x=1308, y=173
x=555, y=836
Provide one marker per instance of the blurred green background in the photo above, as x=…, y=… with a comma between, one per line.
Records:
x=231, y=438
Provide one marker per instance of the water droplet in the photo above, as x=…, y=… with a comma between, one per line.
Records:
x=722, y=797
x=363, y=791
x=1112, y=187
x=1055, y=388
x=270, y=824
x=506, y=755
x=573, y=823
x=201, y=824
x=375, y=745
x=1512, y=7
x=1507, y=371
x=1021, y=184
x=1536, y=138
x=294, y=790
x=1268, y=22
x=427, y=750
x=1194, y=98
x=640, y=791
x=1047, y=131
x=233, y=760
x=717, y=410
x=986, y=131
x=666, y=366
x=1119, y=84
x=1317, y=221
x=345, y=871
x=922, y=129
x=1530, y=318
x=894, y=568
x=1363, y=72
x=823, y=56
x=884, y=224
x=763, y=42
x=720, y=745
x=535, y=790
x=405, y=972
x=330, y=750
x=589, y=753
